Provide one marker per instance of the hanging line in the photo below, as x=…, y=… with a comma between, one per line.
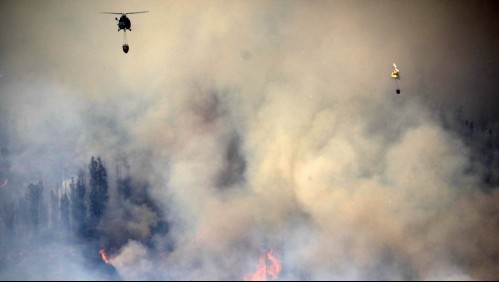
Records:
x=125, y=40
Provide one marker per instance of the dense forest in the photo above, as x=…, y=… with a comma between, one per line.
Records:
x=69, y=213
x=93, y=211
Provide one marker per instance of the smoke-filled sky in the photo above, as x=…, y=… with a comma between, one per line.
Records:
x=260, y=124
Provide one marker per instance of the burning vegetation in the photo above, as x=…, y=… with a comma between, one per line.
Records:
x=268, y=267
x=104, y=256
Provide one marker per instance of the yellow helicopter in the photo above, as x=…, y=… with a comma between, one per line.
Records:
x=396, y=76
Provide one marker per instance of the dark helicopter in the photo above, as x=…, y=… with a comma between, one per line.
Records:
x=124, y=23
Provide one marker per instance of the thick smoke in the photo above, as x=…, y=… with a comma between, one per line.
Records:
x=244, y=126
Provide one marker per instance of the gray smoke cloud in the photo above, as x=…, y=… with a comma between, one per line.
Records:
x=257, y=125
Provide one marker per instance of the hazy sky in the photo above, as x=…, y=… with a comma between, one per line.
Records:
x=266, y=122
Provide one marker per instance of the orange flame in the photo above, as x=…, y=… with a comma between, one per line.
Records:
x=261, y=272
x=104, y=256
x=275, y=266
x=272, y=270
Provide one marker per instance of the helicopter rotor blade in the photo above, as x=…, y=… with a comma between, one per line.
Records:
x=136, y=12
x=111, y=13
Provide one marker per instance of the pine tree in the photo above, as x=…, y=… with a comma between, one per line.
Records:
x=98, y=190
x=65, y=211
x=54, y=210
x=37, y=209
x=78, y=206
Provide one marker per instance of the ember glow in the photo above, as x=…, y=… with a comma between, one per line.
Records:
x=263, y=271
x=104, y=256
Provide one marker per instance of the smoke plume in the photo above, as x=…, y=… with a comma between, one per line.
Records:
x=242, y=127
